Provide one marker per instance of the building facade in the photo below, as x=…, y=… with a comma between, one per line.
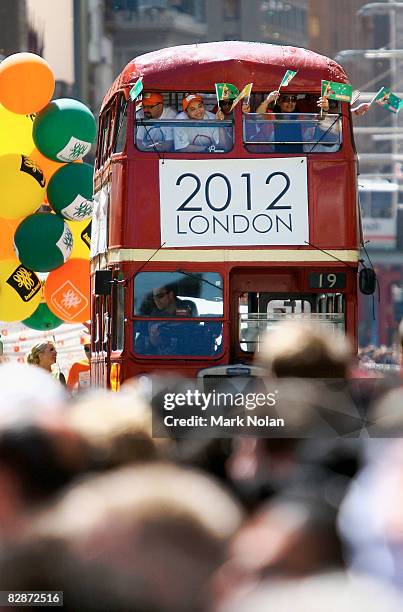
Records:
x=13, y=27
x=141, y=26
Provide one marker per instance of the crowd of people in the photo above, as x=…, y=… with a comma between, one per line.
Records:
x=198, y=138
x=97, y=504
x=379, y=355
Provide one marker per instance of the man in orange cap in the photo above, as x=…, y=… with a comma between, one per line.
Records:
x=196, y=138
x=160, y=137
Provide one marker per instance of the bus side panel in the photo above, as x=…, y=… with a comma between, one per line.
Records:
x=142, y=223
x=333, y=216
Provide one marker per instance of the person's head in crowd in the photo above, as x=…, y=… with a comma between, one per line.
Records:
x=158, y=534
x=370, y=518
x=117, y=427
x=38, y=457
x=153, y=105
x=386, y=414
x=327, y=592
x=193, y=105
x=305, y=350
x=290, y=536
x=26, y=391
x=42, y=355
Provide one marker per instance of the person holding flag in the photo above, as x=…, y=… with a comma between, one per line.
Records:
x=227, y=98
x=340, y=92
x=196, y=138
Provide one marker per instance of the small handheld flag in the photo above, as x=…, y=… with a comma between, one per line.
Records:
x=225, y=91
x=289, y=75
x=245, y=93
x=136, y=89
x=355, y=95
x=337, y=91
x=388, y=100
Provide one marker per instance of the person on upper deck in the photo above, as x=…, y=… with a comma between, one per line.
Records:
x=197, y=139
x=285, y=108
x=149, y=138
x=223, y=109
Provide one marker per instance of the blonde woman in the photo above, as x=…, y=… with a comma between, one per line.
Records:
x=43, y=355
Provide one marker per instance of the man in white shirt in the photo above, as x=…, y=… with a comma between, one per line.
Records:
x=160, y=137
x=197, y=139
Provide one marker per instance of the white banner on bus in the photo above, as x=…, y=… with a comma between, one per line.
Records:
x=234, y=202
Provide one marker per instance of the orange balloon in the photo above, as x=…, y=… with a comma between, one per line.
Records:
x=27, y=83
x=7, y=231
x=67, y=291
x=48, y=166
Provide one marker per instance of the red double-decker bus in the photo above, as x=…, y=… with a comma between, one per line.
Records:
x=205, y=232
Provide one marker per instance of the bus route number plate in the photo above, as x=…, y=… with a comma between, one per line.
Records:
x=327, y=280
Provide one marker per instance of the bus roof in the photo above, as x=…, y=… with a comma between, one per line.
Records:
x=197, y=67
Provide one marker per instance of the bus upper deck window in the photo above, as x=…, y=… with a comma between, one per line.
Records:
x=121, y=125
x=292, y=132
x=160, y=128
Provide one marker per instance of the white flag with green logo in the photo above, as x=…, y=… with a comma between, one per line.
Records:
x=289, y=75
x=136, y=89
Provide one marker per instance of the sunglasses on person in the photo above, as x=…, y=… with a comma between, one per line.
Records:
x=160, y=295
x=288, y=98
x=150, y=106
x=87, y=349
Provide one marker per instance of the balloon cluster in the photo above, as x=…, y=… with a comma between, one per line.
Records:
x=45, y=197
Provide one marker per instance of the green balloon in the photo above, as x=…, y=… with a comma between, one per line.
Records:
x=64, y=130
x=42, y=318
x=70, y=191
x=43, y=242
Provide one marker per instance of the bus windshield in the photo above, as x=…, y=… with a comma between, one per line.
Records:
x=178, y=295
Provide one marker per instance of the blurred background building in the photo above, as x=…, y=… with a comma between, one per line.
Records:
x=364, y=38
x=17, y=33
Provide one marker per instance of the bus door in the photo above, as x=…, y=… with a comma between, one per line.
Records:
x=248, y=289
x=260, y=298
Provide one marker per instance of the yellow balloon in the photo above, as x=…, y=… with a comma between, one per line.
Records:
x=22, y=186
x=20, y=291
x=81, y=231
x=15, y=132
